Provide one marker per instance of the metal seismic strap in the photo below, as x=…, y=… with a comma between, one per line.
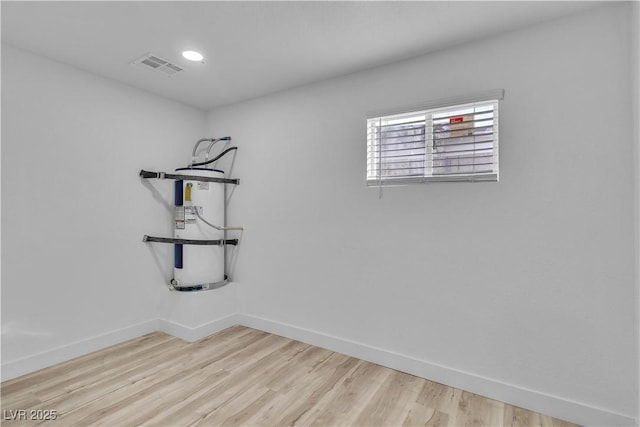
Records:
x=163, y=175
x=173, y=285
x=218, y=242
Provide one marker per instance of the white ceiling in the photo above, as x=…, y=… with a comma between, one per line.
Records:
x=254, y=48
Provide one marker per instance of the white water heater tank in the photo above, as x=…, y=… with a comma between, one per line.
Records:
x=197, y=264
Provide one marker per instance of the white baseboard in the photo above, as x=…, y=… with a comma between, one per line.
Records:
x=529, y=399
x=194, y=334
x=63, y=353
x=25, y=365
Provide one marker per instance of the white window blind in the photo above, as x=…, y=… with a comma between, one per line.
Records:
x=452, y=143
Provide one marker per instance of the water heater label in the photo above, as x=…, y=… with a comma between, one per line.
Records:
x=203, y=185
x=190, y=214
x=179, y=217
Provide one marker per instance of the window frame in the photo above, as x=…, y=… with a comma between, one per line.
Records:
x=428, y=110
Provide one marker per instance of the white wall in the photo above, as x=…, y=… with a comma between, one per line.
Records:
x=76, y=275
x=528, y=282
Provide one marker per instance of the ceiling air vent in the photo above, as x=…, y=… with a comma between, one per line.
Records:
x=152, y=62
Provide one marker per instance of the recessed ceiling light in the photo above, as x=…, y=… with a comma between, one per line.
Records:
x=192, y=55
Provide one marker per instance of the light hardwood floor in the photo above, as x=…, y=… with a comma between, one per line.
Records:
x=242, y=376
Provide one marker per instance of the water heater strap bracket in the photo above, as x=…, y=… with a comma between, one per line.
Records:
x=194, y=288
x=218, y=242
x=164, y=175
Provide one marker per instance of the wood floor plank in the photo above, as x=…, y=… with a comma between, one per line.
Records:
x=288, y=376
x=133, y=382
x=434, y=395
x=244, y=377
x=104, y=385
x=78, y=380
x=245, y=412
x=240, y=381
x=188, y=365
x=87, y=363
x=300, y=387
x=334, y=369
x=391, y=402
x=508, y=415
x=420, y=415
x=476, y=410
x=232, y=411
x=313, y=356
x=524, y=418
x=343, y=404
x=201, y=402
x=147, y=404
x=279, y=405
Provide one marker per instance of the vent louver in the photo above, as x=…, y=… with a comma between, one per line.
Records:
x=152, y=62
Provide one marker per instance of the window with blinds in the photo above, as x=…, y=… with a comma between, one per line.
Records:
x=453, y=143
